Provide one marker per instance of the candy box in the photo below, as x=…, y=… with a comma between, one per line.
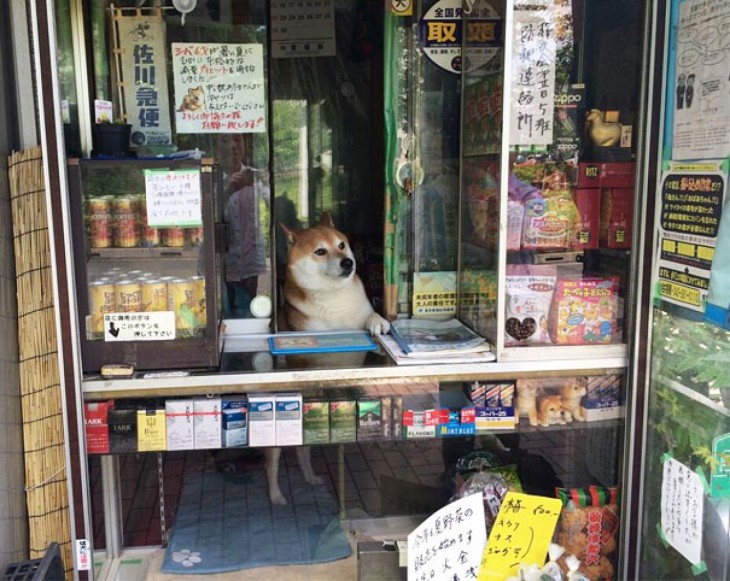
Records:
x=617, y=210
x=583, y=310
x=603, y=399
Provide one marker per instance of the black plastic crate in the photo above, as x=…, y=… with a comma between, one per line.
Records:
x=49, y=568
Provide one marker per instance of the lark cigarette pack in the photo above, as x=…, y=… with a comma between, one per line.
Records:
x=207, y=414
x=343, y=421
x=288, y=418
x=151, y=430
x=316, y=422
x=179, y=415
x=234, y=422
x=96, y=420
x=261, y=426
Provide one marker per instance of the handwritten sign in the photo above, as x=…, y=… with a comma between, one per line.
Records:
x=219, y=88
x=521, y=534
x=449, y=543
x=682, y=506
x=173, y=197
x=142, y=53
x=533, y=73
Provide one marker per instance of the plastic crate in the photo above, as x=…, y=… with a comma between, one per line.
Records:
x=49, y=568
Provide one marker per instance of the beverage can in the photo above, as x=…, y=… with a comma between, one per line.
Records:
x=102, y=301
x=149, y=237
x=99, y=212
x=154, y=295
x=199, y=284
x=181, y=298
x=173, y=237
x=126, y=227
x=128, y=296
x=195, y=236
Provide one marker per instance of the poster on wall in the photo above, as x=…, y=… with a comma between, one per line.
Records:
x=219, y=88
x=533, y=73
x=143, y=78
x=692, y=200
x=701, y=94
x=682, y=509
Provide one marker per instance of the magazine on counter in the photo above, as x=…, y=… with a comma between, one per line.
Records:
x=326, y=342
x=426, y=337
x=437, y=357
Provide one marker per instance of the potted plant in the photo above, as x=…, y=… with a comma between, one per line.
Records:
x=112, y=138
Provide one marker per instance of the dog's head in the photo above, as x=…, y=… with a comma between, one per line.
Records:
x=319, y=257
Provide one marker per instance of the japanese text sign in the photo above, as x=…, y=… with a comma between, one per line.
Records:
x=173, y=197
x=143, y=74
x=682, y=508
x=521, y=534
x=219, y=88
x=156, y=326
x=449, y=543
x=305, y=28
x=533, y=73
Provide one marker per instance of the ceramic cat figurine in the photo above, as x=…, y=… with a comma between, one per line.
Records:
x=571, y=395
x=526, y=401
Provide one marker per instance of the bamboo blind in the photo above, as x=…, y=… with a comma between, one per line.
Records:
x=43, y=430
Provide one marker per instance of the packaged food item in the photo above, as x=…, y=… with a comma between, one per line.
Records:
x=583, y=310
x=617, y=210
x=529, y=295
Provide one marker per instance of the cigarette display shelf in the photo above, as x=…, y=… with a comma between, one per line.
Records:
x=143, y=253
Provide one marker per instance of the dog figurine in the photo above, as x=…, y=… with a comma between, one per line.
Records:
x=322, y=292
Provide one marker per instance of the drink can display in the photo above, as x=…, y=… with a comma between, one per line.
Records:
x=102, y=301
x=154, y=295
x=126, y=228
x=195, y=236
x=128, y=296
x=99, y=211
x=181, y=299
x=173, y=237
x=149, y=237
x=199, y=282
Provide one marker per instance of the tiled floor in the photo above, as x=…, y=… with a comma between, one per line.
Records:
x=368, y=480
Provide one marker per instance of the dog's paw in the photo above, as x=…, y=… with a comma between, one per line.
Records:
x=377, y=325
x=277, y=498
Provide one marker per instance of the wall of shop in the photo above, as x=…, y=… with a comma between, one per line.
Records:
x=13, y=517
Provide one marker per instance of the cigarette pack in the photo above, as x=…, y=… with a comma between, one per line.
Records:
x=234, y=422
x=179, y=415
x=207, y=414
x=288, y=419
x=261, y=423
x=122, y=430
x=96, y=420
x=151, y=430
x=316, y=422
x=369, y=419
x=343, y=421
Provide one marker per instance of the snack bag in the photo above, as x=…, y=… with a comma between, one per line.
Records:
x=528, y=304
x=583, y=310
x=588, y=529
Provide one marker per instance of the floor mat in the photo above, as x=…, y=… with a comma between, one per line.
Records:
x=225, y=523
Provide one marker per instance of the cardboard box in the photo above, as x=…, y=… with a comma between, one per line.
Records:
x=123, y=430
x=418, y=424
x=316, y=422
x=617, y=211
x=456, y=422
x=261, y=422
x=588, y=204
x=207, y=417
x=603, y=399
x=288, y=418
x=369, y=419
x=343, y=421
x=607, y=175
x=180, y=428
x=234, y=422
x=151, y=430
x=96, y=421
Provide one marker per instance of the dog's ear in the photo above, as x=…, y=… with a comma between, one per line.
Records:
x=326, y=220
x=291, y=236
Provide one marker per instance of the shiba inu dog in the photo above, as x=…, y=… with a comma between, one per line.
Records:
x=322, y=292
x=193, y=100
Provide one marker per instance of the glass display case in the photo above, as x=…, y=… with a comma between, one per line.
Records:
x=146, y=263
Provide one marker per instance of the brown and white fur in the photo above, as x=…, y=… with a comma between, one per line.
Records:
x=322, y=292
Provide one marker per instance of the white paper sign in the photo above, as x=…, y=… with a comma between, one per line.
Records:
x=219, y=88
x=142, y=58
x=533, y=73
x=305, y=28
x=152, y=326
x=173, y=197
x=449, y=544
x=103, y=111
x=682, y=509
x=702, y=81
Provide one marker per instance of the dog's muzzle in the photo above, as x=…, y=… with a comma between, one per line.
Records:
x=347, y=265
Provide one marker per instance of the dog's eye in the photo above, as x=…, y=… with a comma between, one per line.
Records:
x=320, y=251
x=342, y=246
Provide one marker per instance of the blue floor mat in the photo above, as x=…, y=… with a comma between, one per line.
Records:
x=226, y=523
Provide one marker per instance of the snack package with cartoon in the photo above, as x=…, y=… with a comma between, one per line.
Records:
x=588, y=528
x=583, y=310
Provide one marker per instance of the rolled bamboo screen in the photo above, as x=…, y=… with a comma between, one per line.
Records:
x=43, y=429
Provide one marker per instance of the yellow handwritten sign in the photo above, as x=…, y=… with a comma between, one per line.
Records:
x=521, y=534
